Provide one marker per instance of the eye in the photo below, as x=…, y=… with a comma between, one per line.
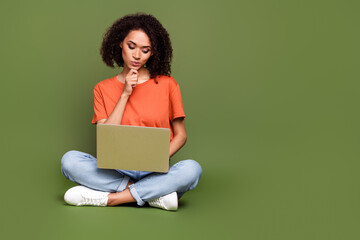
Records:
x=131, y=47
x=146, y=51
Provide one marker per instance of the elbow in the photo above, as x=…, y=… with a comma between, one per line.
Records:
x=181, y=138
x=184, y=138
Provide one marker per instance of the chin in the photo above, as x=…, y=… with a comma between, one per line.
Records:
x=136, y=67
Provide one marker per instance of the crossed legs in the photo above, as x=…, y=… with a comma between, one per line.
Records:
x=81, y=168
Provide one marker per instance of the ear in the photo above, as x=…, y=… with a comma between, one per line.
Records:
x=121, y=44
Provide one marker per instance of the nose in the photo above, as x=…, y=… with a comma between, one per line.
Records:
x=137, y=54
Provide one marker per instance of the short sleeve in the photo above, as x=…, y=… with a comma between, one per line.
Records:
x=99, y=106
x=176, y=105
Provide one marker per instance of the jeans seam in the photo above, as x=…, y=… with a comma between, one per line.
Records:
x=135, y=195
x=123, y=184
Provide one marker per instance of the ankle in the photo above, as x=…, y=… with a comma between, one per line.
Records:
x=120, y=198
x=111, y=199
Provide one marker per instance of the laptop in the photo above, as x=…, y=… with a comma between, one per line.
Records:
x=132, y=147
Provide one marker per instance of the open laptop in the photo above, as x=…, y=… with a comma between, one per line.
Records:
x=132, y=147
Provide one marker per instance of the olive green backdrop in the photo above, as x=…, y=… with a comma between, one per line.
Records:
x=270, y=89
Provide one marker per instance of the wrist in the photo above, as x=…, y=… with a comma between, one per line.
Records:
x=125, y=95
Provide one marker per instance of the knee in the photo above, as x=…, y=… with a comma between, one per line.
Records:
x=193, y=168
x=191, y=171
x=68, y=162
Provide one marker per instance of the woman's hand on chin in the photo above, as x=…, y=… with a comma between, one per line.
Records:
x=131, y=81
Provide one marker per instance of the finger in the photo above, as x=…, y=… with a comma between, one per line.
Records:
x=133, y=82
x=134, y=77
x=131, y=78
x=133, y=72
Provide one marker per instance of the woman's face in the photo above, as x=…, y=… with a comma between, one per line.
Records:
x=136, y=49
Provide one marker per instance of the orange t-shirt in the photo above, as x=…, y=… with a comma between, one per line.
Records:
x=149, y=105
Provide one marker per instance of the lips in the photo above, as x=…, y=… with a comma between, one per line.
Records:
x=135, y=63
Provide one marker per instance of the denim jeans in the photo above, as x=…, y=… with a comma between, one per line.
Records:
x=82, y=168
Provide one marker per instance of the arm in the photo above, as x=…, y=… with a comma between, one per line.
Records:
x=115, y=117
x=180, y=137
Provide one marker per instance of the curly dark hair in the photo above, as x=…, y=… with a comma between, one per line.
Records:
x=159, y=62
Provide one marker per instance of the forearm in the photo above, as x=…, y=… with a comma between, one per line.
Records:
x=176, y=143
x=118, y=112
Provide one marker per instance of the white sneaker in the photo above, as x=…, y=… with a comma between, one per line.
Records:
x=167, y=202
x=81, y=195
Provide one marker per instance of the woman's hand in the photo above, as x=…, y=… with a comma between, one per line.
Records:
x=131, y=80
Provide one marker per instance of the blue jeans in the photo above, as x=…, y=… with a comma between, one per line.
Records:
x=81, y=168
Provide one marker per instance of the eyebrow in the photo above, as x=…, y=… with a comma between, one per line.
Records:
x=135, y=44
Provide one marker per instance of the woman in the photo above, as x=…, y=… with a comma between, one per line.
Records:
x=143, y=94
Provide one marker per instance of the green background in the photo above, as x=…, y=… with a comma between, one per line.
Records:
x=270, y=89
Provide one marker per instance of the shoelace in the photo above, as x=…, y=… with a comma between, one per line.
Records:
x=158, y=201
x=93, y=199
